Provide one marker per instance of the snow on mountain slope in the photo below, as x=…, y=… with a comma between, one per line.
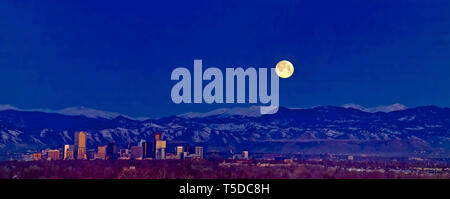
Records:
x=88, y=112
x=74, y=111
x=253, y=111
x=381, y=108
x=421, y=131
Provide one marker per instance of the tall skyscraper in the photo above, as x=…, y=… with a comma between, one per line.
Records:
x=199, y=152
x=68, y=152
x=101, y=152
x=179, y=151
x=148, y=150
x=112, y=151
x=160, y=149
x=80, y=145
x=157, y=136
x=160, y=146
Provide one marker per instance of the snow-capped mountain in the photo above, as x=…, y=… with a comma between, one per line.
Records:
x=75, y=111
x=420, y=131
x=7, y=107
x=381, y=108
x=253, y=111
x=88, y=112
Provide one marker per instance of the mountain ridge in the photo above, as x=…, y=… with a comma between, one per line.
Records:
x=252, y=111
x=418, y=131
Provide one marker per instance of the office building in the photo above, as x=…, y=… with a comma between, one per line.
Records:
x=68, y=152
x=53, y=154
x=91, y=154
x=158, y=136
x=245, y=155
x=37, y=156
x=101, y=152
x=160, y=149
x=189, y=149
x=148, y=150
x=184, y=155
x=160, y=146
x=69, y=155
x=80, y=145
x=160, y=154
x=199, y=152
x=44, y=153
x=136, y=152
x=179, y=151
x=112, y=151
x=124, y=154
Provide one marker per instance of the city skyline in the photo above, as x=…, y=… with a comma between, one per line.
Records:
x=222, y=130
x=143, y=150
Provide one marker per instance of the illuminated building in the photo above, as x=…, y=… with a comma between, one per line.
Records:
x=161, y=154
x=350, y=157
x=101, y=152
x=179, y=151
x=69, y=155
x=68, y=152
x=245, y=154
x=199, y=152
x=37, y=156
x=53, y=155
x=81, y=154
x=160, y=146
x=80, y=145
x=160, y=149
x=157, y=136
x=112, y=151
x=184, y=155
x=148, y=150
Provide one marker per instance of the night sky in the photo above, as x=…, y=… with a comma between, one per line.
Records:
x=118, y=55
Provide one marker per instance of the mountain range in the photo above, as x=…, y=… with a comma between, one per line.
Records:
x=388, y=131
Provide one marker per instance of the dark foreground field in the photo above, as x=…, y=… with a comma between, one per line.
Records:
x=205, y=169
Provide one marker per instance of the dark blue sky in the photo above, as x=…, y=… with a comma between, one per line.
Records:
x=118, y=55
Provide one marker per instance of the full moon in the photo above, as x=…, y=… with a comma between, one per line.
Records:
x=284, y=69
